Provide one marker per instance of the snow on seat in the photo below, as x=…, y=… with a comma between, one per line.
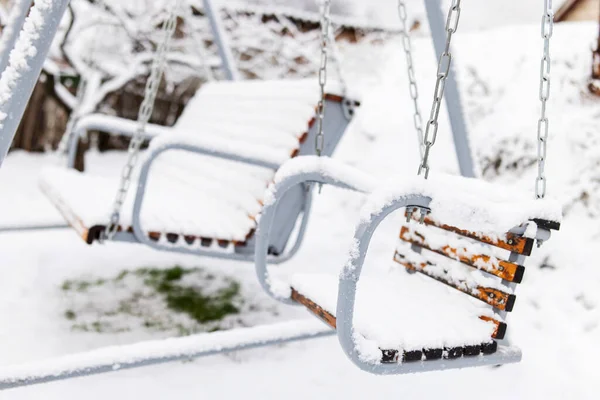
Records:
x=186, y=195
x=201, y=196
x=406, y=315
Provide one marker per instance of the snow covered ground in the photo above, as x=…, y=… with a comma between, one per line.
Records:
x=557, y=315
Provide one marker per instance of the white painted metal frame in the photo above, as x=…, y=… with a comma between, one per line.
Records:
x=41, y=36
x=437, y=23
x=16, y=19
x=118, y=358
x=216, y=24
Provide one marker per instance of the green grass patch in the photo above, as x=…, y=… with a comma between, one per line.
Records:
x=155, y=297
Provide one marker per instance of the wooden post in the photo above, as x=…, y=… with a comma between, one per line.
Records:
x=594, y=84
x=596, y=61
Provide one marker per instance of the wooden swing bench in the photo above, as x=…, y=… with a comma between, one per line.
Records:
x=501, y=300
x=203, y=181
x=451, y=300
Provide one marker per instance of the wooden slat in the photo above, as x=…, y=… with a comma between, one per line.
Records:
x=508, y=241
x=501, y=327
x=494, y=297
x=394, y=356
x=73, y=220
x=313, y=307
x=545, y=224
x=500, y=268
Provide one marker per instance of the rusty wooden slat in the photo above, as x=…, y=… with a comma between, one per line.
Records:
x=508, y=241
x=505, y=270
x=240, y=244
x=73, y=220
x=334, y=97
x=154, y=236
x=545, y=224
x=172, y=237
x=313, y=307
x=303, y=138
x=500, y=331
x=189, y=239
x=495, y=298
x=250, y=234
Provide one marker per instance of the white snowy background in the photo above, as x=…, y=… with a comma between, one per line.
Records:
x=557, y=315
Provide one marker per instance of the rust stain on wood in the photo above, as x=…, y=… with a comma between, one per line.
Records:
x=154, y=236
x=314, y=308
x=508, y=241
x=500, y=330
x=303, y=138
x=504, y=269
x=493, y=297
x=73, y=220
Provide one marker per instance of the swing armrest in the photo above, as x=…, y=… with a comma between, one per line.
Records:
x=111, y=125
x=298, y=172
x=248, y=154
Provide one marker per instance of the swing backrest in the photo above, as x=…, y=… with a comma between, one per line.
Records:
x=433, y=243
x=339, y=115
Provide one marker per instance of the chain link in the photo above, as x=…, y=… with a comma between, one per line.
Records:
x=414, y=89
x=325, y=24
x=444, y=64
x=145, y=112
x=543, y=123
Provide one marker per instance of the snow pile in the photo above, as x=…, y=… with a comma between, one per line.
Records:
x=470, y=204
x=8, y=24
x=325, y=167
x=122, y=357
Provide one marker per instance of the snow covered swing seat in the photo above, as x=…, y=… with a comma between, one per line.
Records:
x=452, y=314
x=201, y=184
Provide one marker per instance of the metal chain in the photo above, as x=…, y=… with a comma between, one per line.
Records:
x=414, y=89
x=543, y=123
x=145, y=112
x=443, y=70
x=325, y=23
